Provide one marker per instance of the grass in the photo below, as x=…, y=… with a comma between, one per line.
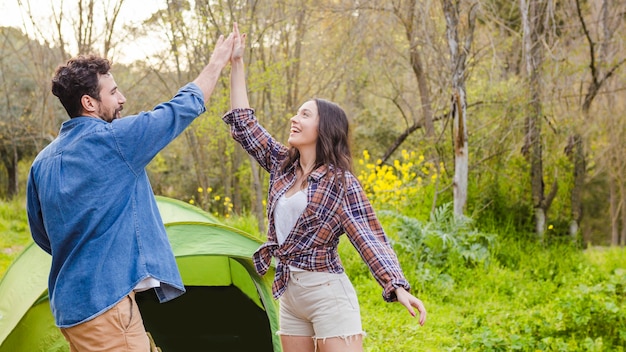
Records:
x=14, y=234
x=527, y=297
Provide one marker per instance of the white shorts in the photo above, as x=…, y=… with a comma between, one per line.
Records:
x=320, y=305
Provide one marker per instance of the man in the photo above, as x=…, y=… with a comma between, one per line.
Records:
x=90, y=204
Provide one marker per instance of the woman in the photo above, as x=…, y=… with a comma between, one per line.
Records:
x=313, y=199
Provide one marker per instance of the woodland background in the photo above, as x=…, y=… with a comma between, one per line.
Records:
x=518, y=115
x=488, y=135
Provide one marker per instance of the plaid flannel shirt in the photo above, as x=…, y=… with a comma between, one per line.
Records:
x=331, y=211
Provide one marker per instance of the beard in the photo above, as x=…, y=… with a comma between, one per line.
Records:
x=117, y=114
x=111, y=115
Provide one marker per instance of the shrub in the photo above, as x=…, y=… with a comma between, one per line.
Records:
x=438, y=241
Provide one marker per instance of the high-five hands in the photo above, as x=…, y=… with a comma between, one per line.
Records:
x=239, y=43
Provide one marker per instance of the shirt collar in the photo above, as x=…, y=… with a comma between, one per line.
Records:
x=318, y=173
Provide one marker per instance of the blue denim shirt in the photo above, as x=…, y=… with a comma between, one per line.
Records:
x=90, y=205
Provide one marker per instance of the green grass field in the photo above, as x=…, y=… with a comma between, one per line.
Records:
x=14, y=233
x=522, y=297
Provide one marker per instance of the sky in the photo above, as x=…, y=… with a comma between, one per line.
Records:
x=132, y=11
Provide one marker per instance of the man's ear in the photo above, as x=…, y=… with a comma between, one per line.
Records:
x=88, y=103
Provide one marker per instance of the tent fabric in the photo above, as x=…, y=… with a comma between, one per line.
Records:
x=173, y=210
x=213, y=259
x=24, y=282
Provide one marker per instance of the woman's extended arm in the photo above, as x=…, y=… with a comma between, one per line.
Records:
x=238, y=90
x=244, y=127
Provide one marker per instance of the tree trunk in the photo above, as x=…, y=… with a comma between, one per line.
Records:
x=458, y=108
x=461, y=157
x=416, y=63
x=533, y=124
x=10, y=164
x=614, y=211
x=236, y=164
x=578, y=158
x=199, y=167
x=84, y=26
x=533, y=13
x=227, y=176
x=410, y=23
x=575, y=148
x=258, y=208
x=623, y=207
x=540, y=221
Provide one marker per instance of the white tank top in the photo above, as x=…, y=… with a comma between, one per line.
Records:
x=287, y=212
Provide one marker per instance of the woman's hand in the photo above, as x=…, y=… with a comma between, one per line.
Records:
x=239, y=44
x=238, y=91
x=410, y=301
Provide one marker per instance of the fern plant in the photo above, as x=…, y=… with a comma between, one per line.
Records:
x=435, y=242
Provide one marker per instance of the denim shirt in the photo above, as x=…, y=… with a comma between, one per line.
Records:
x=90, y=205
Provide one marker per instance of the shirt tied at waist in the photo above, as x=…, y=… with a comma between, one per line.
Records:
x=262, y=260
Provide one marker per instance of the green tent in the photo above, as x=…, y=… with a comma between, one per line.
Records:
x=227, y=306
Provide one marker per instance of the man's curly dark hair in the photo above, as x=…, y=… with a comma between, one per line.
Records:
x=79, y=76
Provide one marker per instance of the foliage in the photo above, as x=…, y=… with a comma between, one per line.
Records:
x=213, y=203
x=364, y=56
x=14, y=234
x=25, y=112
x=530, y=297
x=246, y=223
x=555, y=299
x=439, y=247
x=444, y=236
x=407, y=186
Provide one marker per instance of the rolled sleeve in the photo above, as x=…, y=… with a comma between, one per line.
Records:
x=389, y=291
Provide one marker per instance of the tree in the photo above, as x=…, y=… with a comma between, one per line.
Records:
x=601, y=71
x=458, y=108
x=413, y=18
x=27, y=115
x=93, y=24
x=30, y=118
x=534, y=20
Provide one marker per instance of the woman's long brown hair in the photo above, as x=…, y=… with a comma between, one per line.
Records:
x=333, y=147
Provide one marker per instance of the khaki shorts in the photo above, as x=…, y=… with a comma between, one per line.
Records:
x=119, y=329
x=320, y=305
